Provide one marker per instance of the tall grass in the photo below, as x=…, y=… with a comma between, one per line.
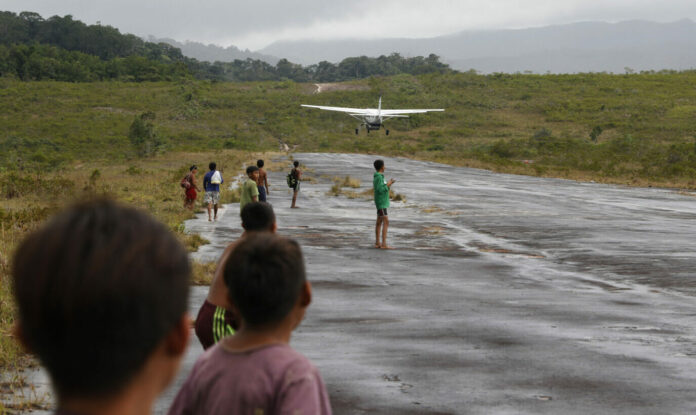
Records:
x=29, y=198
x=634, y=128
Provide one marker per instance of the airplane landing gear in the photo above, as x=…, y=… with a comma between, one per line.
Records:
x=356, y=131
x=387, y=132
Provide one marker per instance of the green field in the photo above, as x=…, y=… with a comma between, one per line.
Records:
x=637, y=128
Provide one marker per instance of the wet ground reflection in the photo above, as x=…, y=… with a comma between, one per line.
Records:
x=506, y=294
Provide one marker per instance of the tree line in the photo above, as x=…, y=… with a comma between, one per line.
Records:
x=59, y=48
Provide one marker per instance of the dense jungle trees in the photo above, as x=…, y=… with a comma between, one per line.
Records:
x=59, y=48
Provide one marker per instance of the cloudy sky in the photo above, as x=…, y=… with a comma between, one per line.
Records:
x=254, y=24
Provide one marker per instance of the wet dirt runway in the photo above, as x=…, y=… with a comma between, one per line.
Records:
x=505, y=295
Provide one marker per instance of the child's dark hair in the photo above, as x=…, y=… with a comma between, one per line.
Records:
x=296, y=163
x=193, y=167
x=379, y=163
x=251, y=169
x=212, y=166
x=259, y=163
x=257, y=216
x=264, y=275
x=97, y=289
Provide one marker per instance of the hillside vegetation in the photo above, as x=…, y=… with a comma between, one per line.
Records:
x=62, y=49
x=636, y=128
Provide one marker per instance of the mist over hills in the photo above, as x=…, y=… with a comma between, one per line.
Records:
x=571, y=48
x=212, y=53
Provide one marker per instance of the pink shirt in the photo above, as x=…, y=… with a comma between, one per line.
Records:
x=273, y=379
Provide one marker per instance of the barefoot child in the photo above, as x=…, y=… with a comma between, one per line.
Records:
x=381, y=188
x=256, y=371
x=262, y=181
x=101, y=291
x=211, y=183
x=191, y=188
x=297, y=175
x=215, y=318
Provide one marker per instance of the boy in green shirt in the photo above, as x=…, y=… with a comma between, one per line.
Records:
x=381, y=188
x=250, y=191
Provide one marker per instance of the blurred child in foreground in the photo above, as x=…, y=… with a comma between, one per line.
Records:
x=101, y=291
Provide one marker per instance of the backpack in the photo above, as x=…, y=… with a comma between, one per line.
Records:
x=185, y=183
x=292, y=180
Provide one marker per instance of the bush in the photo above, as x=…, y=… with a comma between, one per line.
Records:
x=501, y=149
x=143, y=136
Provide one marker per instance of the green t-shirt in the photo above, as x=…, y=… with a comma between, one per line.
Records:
x=249, y=190
x=381, y=191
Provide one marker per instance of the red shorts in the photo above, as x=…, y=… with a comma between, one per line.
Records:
x=213, y=323
x=191, y=194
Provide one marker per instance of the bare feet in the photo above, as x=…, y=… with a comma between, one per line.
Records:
x=386, y=247
x=209, y=220
x=377, y=245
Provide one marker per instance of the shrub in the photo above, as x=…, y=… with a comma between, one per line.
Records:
x=594, y=134
x=143, y=136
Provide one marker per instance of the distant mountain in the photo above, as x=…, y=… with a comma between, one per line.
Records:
x=213, y=53
x=571, y=48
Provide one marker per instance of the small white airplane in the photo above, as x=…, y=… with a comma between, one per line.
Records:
x=372, y=118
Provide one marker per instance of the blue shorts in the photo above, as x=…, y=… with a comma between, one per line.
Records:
x=262, y=193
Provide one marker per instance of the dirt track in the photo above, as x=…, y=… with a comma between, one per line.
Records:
x=338, y=86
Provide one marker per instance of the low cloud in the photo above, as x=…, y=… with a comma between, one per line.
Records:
x=256, y=24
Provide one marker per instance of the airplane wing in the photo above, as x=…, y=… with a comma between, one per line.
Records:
x=352, y=111
x=399, y=112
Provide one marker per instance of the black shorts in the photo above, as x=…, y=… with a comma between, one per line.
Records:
x=382, y=212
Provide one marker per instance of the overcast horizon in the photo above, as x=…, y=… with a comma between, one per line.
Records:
x=255, y=26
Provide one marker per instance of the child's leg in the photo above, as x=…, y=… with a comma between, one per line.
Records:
x=378, y=228
x=385, y=226
x=209, y=207
x=294, y=198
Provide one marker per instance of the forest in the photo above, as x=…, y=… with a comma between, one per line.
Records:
x=62, y=49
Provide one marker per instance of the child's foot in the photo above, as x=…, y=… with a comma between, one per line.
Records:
x=386, y=247
x=209, y=220
x=377, y=245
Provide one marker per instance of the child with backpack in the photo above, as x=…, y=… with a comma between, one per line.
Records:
x=294, y=178
x=188, y=183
